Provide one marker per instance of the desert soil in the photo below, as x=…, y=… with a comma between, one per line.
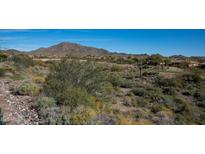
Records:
x=17, y=110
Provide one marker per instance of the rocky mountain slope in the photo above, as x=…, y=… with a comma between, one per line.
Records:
x=67, y=48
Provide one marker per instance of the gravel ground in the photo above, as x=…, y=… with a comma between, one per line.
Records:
x=16, y=109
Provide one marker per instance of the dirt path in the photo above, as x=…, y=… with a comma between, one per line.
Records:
x=16, y=109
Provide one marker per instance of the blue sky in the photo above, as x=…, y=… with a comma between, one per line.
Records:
x=165, y=42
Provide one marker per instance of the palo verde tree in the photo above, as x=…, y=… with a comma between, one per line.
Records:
x=72, y=82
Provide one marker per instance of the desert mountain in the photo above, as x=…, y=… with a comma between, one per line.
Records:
x=67, y=48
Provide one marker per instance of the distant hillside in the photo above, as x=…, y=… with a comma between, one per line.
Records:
x=67, y=48
x=11, y=51
x=74, y=49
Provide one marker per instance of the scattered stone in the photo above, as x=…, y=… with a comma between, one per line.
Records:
x=17, y=109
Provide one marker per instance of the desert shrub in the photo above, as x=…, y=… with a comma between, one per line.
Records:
x=38, y=79
x=167, y=61
x=115, y=79
x=146, y=74
x=155, y=59
x=73, y=97
x=2, y=72
x=72, y=83
x=125, y=121
x=191, y=78
x=131, y=74
x=186, y=93
x=140, y=102
x=76, y=73
x=155, y=94
x=82, y=116
x=200, y=94
x=28, y=89
x=139, y=92
x=156, y=108
x=17, y=76
x=45, y=102
x=177, y=104
x=116, y=68
x=55, y=118
x=184, y=65
x=1, y=117
x=22, y=61
x=3, y=57
x=152, y=93
x=119, y=81
x=106, y=92
x=127, y=83
x=161, y=82
x=169, y=90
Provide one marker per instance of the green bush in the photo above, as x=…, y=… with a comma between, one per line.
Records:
x=155, y=59
x=22, y=61
x=118, y=81
x=115, y=79
x=72, y=82
x=127, y=83
x=180, y=105
x=161, y=82
x=80, y=118
x=3, y=57
x=169, y=90
x=146, y=74
x=45, y=102
x=73, y=97
x=155, y=95
x=76, y=73
x=200, y=95
x=139, y=92
x=17, y=76
x=191, y=78
x=152, y=93
x=140, y=102
x=28, y=89
x=116, y=68
x=156, y=108
x=177, y=104
x=54, y=116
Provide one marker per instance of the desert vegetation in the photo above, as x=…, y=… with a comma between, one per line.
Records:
x=106, y=89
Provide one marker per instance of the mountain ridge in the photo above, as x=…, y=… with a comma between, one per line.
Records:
x=68, y=48
x=75, y=49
